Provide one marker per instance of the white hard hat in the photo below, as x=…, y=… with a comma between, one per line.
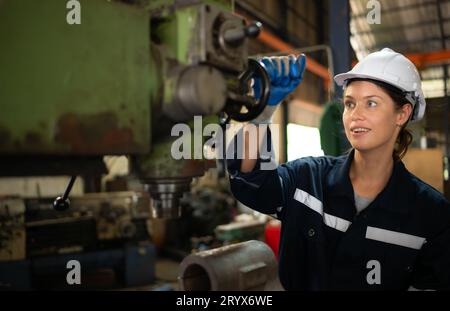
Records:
x=392, y=68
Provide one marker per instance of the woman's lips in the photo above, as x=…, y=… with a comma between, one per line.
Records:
x=359, y=131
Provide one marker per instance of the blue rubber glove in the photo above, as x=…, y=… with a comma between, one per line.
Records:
x=285, y=73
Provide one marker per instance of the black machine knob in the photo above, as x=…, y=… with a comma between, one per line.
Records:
x=236, y=35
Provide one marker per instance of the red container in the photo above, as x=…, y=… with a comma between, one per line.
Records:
x=272, y=235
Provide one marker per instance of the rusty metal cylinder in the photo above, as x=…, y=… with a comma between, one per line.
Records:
x=249, y=265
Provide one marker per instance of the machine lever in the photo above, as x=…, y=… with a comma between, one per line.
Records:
x=235, y=36
x=63, y=203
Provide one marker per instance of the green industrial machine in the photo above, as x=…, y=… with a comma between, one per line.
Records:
x=116, y=82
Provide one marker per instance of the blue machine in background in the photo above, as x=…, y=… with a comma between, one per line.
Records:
x=108, y=234
x=130, y=266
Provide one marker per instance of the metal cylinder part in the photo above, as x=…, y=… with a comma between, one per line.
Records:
x=166, y=195
x=200, y=90
x=248, y=265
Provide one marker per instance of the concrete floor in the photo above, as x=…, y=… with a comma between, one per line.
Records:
x=166, y=273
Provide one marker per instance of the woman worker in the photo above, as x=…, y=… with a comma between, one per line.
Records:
x=359, y=221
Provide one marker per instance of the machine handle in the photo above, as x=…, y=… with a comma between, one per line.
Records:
x=235, y=36
x=63, y=203
x=254, y=105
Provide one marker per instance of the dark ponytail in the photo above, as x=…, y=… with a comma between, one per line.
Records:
x=404, y=139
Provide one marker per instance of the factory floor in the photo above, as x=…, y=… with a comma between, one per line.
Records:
x=166, y=273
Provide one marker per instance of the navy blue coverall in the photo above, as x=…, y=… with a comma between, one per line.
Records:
x=326, y=245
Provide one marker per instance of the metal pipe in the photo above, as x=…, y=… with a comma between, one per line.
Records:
x=249, y=265
x=285, y=48
x=422, y=60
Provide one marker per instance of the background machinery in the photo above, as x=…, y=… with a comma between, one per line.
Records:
x=113, y=84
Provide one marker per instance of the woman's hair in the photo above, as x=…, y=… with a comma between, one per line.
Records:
x=405, y=137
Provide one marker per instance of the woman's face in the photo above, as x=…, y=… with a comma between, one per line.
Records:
x=370, y=119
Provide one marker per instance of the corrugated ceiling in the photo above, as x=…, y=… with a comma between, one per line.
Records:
x=407, y=26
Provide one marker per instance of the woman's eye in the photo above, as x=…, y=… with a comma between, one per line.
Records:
x=371, y=103
x=349, y=104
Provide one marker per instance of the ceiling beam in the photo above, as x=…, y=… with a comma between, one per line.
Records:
x=401, y=8
x=422, y=60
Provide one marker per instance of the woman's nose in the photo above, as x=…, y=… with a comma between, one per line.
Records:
x=357, y=112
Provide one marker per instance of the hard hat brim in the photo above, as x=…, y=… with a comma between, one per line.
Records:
x=342, y=77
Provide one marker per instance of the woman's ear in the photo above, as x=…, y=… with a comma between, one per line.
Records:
x=404, y=114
